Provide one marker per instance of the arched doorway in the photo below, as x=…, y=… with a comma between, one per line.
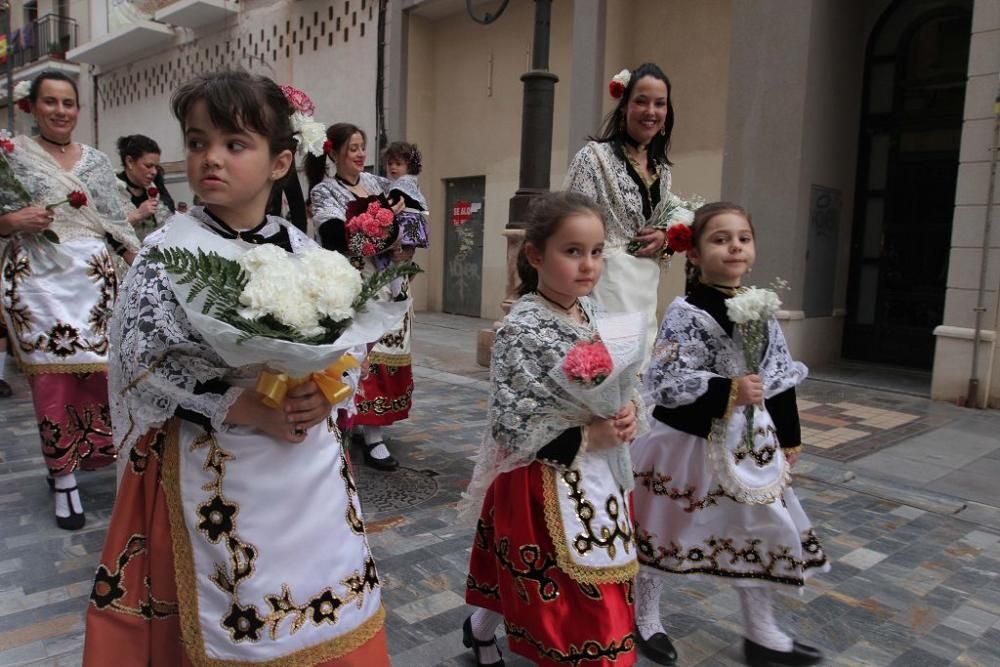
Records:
x=911, y=126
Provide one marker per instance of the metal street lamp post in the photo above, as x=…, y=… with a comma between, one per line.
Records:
x=536, y=150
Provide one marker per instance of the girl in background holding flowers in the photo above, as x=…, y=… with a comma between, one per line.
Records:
x=61, y=223
x=236, y=536
x=347, y=221
x=712, y=496
x=553, y=553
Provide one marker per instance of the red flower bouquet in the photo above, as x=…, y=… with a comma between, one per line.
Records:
x=588, y=364
x=371, y=226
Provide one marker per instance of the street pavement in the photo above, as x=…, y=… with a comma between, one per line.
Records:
x=902, y=492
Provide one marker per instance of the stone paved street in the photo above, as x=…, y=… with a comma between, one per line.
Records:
x=901, y=490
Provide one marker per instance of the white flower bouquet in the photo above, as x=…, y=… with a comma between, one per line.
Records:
x=257, y=304
x=751, y=310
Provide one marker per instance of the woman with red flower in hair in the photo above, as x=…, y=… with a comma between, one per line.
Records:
x=626, y=170
x=61, y=222
x=141, y=183
x=355, y=215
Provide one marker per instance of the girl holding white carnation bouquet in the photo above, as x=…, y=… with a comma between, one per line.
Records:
x=237, y=536
x=553, y=554
x=712, y=493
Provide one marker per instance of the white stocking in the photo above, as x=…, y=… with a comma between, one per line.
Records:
x=758, y=619
x=63, y=500
x=484, y=628
x=373, y=434
x=648, y=589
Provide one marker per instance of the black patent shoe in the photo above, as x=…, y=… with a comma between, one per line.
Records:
x=5, y=390
x=388, y=464
x=657, y=648
x=75, y=520
x=469, y=641
x=761, y=656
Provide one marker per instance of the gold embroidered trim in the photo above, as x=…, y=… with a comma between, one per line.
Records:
x=389, y=359
x=45, y=369
x=791, y=450
x=187, y=596
x=584, y=574
x=734, y=391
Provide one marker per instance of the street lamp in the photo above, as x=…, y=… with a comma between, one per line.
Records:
x=536, y=149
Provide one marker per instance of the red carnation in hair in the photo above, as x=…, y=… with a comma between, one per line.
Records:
x=24, y=104
x=617, y=89
x=327, y=147
x=299, y=100
x=77, y=199
x=679, y=237
x=152, y=192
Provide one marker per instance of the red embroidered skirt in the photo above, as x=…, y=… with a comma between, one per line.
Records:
x=550, y=618
x=74, y=422
x=385, y=395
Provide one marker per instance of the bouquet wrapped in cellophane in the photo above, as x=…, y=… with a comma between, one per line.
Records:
x=297, y=314
x=602, y=376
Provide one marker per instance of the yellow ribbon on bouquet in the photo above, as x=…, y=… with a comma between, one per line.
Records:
x=274, y=386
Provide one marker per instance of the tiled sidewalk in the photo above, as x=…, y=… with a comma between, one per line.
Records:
x=908, y=587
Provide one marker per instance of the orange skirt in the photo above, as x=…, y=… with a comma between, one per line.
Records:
x=133, y=615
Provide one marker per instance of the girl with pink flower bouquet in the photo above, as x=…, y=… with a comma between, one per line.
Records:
x=552, y=481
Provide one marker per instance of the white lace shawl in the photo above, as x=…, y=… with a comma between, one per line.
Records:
x=330, y=199
x=408, y=186
x=692, y=348
x=527, y=408
x=601, y=175
x=157, y=358
x=47, y=183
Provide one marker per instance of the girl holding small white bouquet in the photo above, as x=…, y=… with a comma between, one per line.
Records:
x=553, y=554
x=237, y=535
x=713, y=487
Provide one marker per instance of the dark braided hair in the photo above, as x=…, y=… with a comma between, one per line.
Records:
x=702, y=217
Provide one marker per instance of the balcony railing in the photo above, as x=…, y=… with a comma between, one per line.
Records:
x=49, y=36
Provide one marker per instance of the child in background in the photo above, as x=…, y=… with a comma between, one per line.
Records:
x=402, y=164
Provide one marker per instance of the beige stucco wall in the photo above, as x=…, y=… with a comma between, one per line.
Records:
x=481, y=135
x=953, y=352
x=464, y=130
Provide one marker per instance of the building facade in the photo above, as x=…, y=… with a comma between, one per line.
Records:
x=857, y=132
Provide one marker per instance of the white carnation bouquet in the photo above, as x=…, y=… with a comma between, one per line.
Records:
x=751, y=310
x=257, y=304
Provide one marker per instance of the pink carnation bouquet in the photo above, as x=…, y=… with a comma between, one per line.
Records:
x=588, y=363
x=371, y=226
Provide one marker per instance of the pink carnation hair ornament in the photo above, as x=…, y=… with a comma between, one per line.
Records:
x=310, y=135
